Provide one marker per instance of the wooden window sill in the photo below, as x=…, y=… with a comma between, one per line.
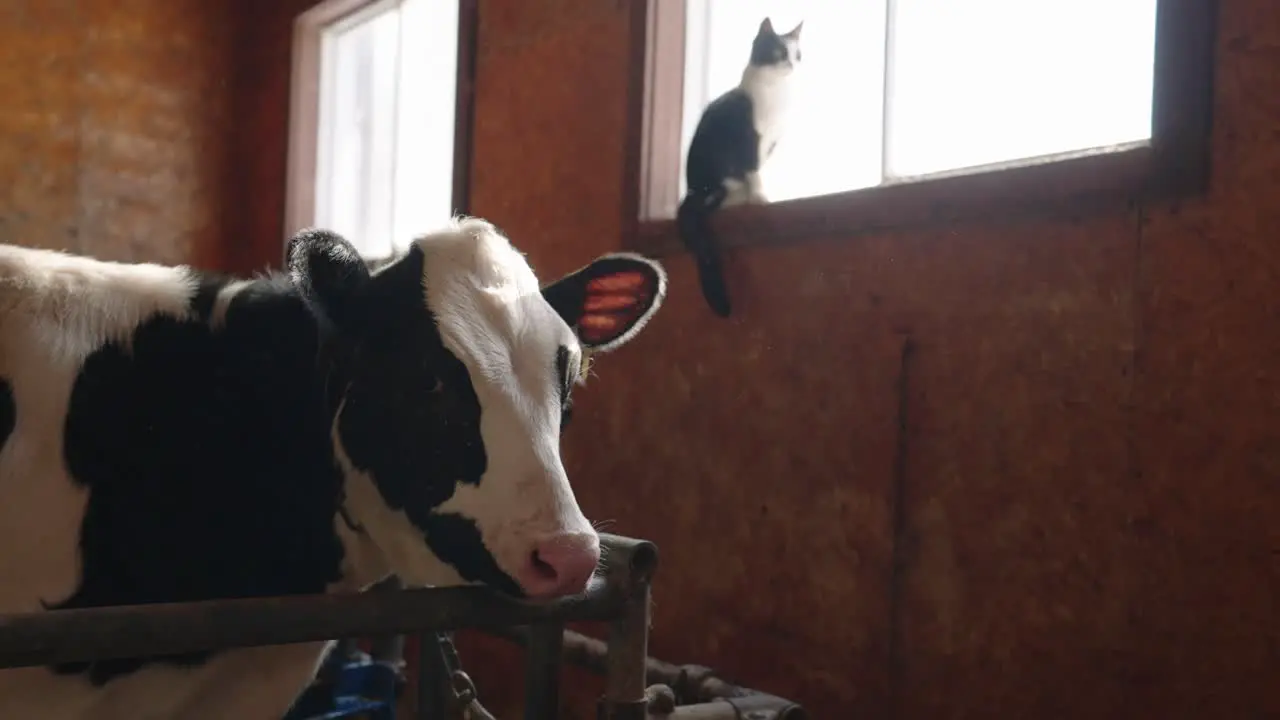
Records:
x=1174, y=164
x=1112, y=179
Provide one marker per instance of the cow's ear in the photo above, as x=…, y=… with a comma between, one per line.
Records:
x=609, y=301
x=328, y=271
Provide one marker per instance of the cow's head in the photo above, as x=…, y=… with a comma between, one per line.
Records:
x=453, y=378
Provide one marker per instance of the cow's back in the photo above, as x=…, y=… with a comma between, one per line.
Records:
x=56, y=309
x=57, y=313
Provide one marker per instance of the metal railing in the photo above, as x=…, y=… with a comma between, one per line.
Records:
x=619, y=596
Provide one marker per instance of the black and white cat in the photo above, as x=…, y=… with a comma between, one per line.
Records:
x=735, y=136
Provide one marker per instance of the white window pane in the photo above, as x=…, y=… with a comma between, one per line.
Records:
x=357, y=131
x=832, y=140
x=984, y=81
x=428, y=92
x=386, y=133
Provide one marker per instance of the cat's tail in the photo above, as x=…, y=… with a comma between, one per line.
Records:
x=694, y=227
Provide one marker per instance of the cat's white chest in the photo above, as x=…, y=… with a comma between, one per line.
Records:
x=770, y=101
x=771, y=113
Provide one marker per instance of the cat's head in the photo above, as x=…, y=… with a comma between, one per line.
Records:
x=778, y=51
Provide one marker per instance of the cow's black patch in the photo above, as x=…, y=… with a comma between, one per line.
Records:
x=207, y=450
x=8, y=411
x=456, y=540
x=409, y=408
x=208, y=285
x=208, y=460
x=565, y=378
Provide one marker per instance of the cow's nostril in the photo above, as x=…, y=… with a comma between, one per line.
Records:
x=559, y=565
x=542, y=568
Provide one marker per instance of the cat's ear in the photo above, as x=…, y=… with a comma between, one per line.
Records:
x=766, y=27
x=609, y=301
x=795, y=32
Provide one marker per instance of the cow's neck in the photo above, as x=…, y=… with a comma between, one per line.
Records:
x=363, y=563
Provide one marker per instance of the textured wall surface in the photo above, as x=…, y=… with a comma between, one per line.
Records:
x=1092, y=416
x=263, y=58
x=116, y=123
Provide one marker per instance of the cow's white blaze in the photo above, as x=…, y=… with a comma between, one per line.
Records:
x=491, y=315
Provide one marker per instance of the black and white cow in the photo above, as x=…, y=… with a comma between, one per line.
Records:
x=168, y=435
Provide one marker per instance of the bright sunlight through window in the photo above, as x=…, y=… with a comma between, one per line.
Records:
x=893, y=89
x=384, y=166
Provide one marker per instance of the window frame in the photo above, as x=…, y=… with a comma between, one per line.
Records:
x=1174, y=164
x=304, y=105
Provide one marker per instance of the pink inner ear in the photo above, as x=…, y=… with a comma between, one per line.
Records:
x=616, y=282
x=613, y=302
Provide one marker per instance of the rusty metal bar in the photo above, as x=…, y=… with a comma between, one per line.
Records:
x=704, y=711
x=759, y=706
x=624, y=697
x=628, y=563
x=693, y=686
x=763, y=706
x=542, y=671
x=58, y=636
x=140, y=630
x=723, y=710
x=388, y=648
x=433, y=676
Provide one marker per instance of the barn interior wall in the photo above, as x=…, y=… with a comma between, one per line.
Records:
x=1091, y=424
x=116, y=126
x=1088, y=422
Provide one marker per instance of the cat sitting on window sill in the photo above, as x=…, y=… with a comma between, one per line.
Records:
x=735, y=137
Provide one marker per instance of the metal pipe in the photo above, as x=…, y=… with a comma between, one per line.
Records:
x=762, y=706
x=387, y=648
x=628, y=563
x=755, y=707
x=141, y=630
x=690, y=684
x=542, y=672
x=631, y=565
x=624, y=697
x=59, y=636
x=433, y=679
x=716, y=710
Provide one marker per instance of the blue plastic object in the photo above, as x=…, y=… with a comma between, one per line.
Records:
x=361, y=690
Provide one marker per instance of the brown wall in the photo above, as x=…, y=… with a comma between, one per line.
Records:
x=1093, y=420
x=115, y=120
x=263, y=58
x=1092, y=429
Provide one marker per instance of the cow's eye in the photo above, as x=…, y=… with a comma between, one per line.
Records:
x=438, y=387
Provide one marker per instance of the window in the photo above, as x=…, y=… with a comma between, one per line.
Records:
x=895, y=99
x=839, y=101
x=380, y=112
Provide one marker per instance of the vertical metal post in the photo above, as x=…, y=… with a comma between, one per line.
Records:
x=542, y=672
x=631, y=567
x=432, y=679
x=624, y=697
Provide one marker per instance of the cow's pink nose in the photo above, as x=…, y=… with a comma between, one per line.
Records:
x=560, y=565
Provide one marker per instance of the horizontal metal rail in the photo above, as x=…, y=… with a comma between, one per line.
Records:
x=696, y=691
x=58, y=636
